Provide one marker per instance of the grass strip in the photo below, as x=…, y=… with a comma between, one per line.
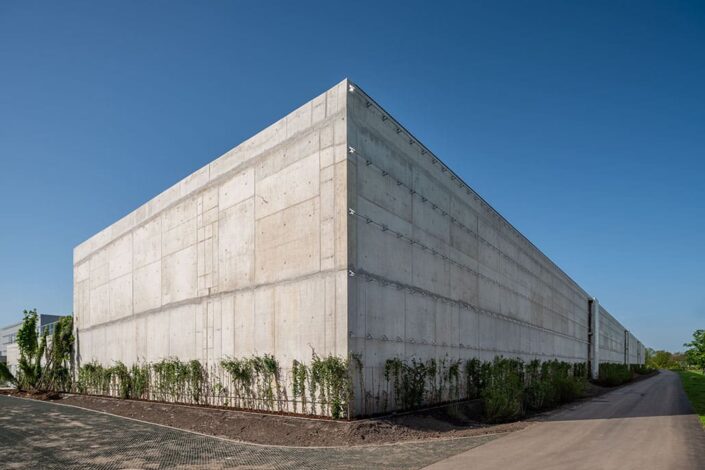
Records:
x=694, y=384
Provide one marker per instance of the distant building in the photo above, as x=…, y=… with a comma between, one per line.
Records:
x=7, y=337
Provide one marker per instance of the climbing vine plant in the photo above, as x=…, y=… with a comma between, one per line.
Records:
x=323, y=385
x=256, y=381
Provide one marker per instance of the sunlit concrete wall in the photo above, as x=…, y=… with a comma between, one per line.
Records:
x=247, y=255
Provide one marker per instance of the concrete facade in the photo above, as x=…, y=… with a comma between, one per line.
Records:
x=332, y=230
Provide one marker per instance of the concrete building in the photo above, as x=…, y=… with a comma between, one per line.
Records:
x=336, y=230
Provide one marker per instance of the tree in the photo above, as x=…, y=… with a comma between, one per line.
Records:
x=42, y=365
x=57, y=374
x=695, y=354
x=32, y=349
x=661, y=360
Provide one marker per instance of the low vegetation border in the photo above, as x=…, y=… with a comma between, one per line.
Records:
x=694, y=385
x=322, y=386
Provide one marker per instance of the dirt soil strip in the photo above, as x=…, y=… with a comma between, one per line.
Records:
x=294, y=431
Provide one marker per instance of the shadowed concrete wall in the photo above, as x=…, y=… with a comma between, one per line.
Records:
x=440, y=274
x=247, y=255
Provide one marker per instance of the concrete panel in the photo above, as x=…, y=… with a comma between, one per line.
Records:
x=420, y=320
x=384, y=192
x=264, y=321
x=100, y=304
x=236, y=247
x=384, y=307
x=141, y=339
x=179, y=275
x=121, y=297
x=147, y=287
x=147, y=241
x=237, y=188
x=158, y=327
x=245, y=324
x=288, y=243
x=384, y=254
x=430, y=220
x=294, y=150
x=127, y=341
x=119, y=254
x=290, y=186
x=179, y=237
x=182, y=324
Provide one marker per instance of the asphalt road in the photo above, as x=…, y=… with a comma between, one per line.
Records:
x=646, y=425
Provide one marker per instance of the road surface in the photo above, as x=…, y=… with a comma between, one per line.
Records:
x=646, y=425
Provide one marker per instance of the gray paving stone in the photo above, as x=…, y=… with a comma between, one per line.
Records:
x=45, y=435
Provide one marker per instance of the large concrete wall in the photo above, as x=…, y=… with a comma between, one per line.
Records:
x=333, y=229
x=247, y=255
x=439, y=273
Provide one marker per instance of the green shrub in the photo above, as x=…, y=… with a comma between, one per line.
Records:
x=580, y=370
x=502, y=393
x=567, y=386
x=537, y=391
x=409, y=380
x=253, y=379
x=124, y=380
x=331, y=377
x=612, y=375
x=140, y=380
x=473, y=380
x=94, y=378
x=641, y=369
x=179, y=381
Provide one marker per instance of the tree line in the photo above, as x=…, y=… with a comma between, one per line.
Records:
x=693, y=357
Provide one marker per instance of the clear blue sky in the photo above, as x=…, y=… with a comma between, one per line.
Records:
x=583, y=123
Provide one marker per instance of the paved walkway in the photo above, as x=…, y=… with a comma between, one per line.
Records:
x=45, y=435
x=646, y=425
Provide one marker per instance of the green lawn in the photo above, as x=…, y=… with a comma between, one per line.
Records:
x=694, y=384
